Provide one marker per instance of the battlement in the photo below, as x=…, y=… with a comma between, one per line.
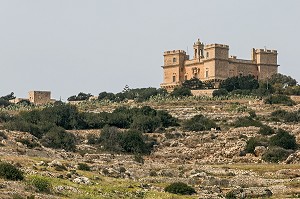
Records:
x=171, y=52
x=265, y=51
x=216, y=46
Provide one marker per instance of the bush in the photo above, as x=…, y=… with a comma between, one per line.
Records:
x=84, y=167
x=220, y=92
x=110, y=139
x=58, y=138
x=275, y=154
x=40, y=183
x=181, y=92
x=254, y=142
x=146, y=124
x=180, y=188
x=5, y=117
x=246, y=122
x=282, y=115
x=4, y=103
x=279, y=99
x=283, y=139
x=266, y=130
x=133, y=142
x=193, y=84
x=199, y=123
x=10, y=172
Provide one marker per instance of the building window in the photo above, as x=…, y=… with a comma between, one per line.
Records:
x=207, y=54
x=185, y=77
x=240, y=74
x=206, y=74
x=174, y=59
x=174, y=78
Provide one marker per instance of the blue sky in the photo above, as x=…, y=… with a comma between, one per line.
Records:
x=69, y=46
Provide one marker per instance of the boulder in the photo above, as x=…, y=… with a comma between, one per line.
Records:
x=259, y=150
x=82, y=180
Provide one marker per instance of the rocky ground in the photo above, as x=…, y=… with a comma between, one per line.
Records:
x=210, y=161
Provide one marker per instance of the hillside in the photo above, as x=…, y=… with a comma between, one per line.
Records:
x=213, y=162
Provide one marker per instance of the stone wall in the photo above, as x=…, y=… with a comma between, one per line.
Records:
x=204, y=92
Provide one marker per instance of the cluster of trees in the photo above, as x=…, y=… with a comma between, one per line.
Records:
x=278, y=84
x=130, y=141
x=80, y=97
x=138, y=94
x=4, y=100
x=50, y=124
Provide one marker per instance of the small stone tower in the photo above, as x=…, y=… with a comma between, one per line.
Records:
x=198, y=49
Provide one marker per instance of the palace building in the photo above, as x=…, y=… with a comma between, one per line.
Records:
x=212, y=63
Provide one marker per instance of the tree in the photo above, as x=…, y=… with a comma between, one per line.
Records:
x=8, y=97
x=181, y=92
x=282, y=80
x=80, y=97
x=193, y=84
x=244, y=83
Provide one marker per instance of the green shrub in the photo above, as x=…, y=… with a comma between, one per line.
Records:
x=58, y=138
x=133, y=142
x=283, y=139
x=252, y=114
x=110, y=139
x=84, y=167
x=246, y=122
x=180, y=188
x=254, y=142
x=4, y=103
x=145, y=124
x=5, y=117
x=181, y=92
x=285, y=116
x=220, y=92
x=279, y=99
x=199, y=123
x=266, y=130
x=10, y=172
x=41, y=184
x=275, y=154
x=230, y=195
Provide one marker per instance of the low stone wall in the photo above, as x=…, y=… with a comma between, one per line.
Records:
x=295, y=98
x=204, y=92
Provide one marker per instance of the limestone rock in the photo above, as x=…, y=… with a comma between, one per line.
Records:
x=259, y=150
x=82, y=180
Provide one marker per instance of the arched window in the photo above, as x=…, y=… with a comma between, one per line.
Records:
x=207, y=54
x=174, y=59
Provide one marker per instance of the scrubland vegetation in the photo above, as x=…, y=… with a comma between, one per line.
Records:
x=146, y=127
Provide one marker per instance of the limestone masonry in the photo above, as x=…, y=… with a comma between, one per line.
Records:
x=212, y=63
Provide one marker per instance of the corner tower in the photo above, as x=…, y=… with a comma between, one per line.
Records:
x=173, y=68
x=266, y=61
